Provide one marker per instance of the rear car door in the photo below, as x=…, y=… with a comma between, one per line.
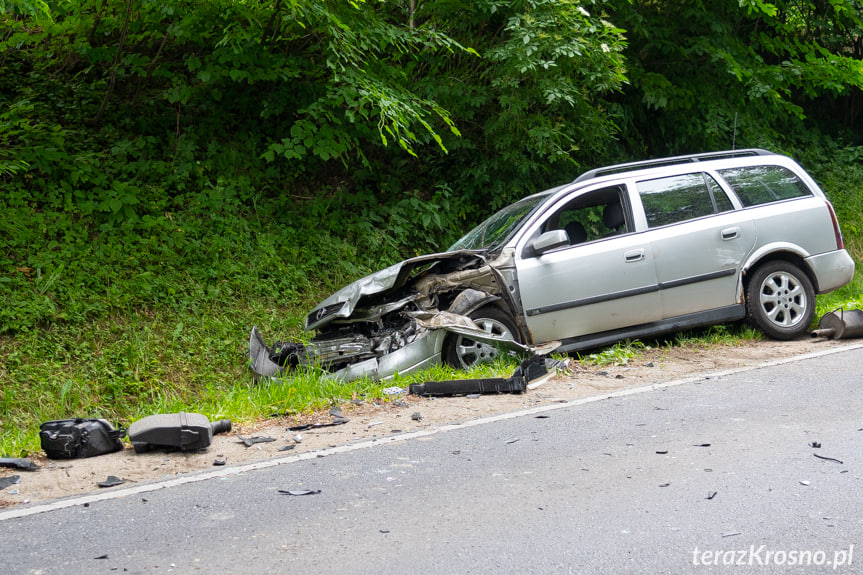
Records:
x=699, y=242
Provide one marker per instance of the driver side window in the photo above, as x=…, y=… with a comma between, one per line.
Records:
x=595, y=215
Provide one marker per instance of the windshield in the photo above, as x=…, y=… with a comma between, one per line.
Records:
x=500, y=226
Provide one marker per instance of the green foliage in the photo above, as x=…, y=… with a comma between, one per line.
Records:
x=713, y=75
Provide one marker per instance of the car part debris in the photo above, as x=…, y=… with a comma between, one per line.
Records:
x=529, y=370
x=79, y=437
x=111, y=481
x=171, y=431
x=250, y=441
x=827, y=458
x=10, y=480
x=19, y=463
x=840, y=324
x=339, y=420
x=299, y=492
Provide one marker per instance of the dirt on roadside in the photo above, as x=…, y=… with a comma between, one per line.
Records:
x=402, y=413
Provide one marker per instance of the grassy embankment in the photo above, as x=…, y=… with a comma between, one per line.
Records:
x=123, y=326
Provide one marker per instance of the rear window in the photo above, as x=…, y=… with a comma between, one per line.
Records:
x=758, y=185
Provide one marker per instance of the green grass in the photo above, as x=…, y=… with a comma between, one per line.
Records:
x=127, y=367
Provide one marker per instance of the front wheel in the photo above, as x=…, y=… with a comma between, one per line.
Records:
x=780, y=300
x=462, y=352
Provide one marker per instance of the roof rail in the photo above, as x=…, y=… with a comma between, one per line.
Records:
x=630, y=166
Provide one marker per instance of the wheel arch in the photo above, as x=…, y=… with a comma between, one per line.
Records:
x=470, y=300
x=784, y=252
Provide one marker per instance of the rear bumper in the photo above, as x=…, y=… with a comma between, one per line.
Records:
x=832, y=270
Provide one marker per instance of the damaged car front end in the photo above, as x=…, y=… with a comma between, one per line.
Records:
x=453, y=307
x=401, y=319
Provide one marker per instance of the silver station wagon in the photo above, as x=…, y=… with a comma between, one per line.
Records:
x=627, y=251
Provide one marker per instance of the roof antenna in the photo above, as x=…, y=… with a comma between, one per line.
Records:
x=734, y=137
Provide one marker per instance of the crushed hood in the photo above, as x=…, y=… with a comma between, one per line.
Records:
x=342, y=303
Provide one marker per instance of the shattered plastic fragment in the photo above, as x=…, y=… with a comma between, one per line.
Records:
x=111, y=481
x=299, y=492
x=336, y=421
x=18, y=463
x=827, y=458
x=11, y=480
x=249, y=441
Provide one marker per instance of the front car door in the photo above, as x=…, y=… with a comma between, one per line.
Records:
x=601, y=282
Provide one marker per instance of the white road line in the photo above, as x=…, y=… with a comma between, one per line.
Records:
x=194, y=477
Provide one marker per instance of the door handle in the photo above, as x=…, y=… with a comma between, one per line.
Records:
x=633, y=255
x=730, y=233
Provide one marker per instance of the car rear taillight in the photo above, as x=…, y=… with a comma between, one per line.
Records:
x=840, y=243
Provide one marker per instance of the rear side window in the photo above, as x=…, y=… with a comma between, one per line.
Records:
x=758, y=185
x=680, y=198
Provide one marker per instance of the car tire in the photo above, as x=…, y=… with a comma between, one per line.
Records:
x=780, y=300
x=462, y=352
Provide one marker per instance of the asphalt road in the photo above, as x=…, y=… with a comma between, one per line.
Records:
x=717, y=475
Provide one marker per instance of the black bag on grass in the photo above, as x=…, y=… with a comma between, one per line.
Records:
x=77, y=438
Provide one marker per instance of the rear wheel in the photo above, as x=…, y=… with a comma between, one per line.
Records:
x=462, y=352
x=780, y=300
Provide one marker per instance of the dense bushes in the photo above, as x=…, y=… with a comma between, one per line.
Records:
x=180, y=154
